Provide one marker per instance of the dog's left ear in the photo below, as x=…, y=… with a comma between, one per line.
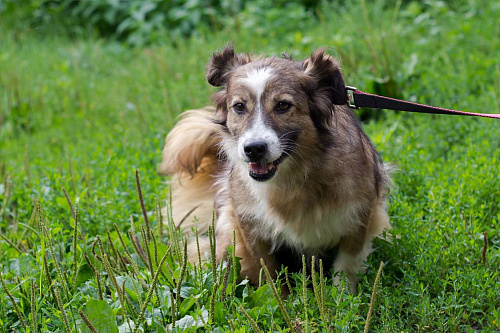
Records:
x=328, y=88
x=328, y=75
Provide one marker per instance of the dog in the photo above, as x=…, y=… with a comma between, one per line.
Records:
x=282, y=162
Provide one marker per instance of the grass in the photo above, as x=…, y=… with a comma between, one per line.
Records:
x=82, y=115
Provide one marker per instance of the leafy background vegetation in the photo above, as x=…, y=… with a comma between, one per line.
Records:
x=88, y=91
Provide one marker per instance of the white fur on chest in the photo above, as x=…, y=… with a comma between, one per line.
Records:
x=313, y=228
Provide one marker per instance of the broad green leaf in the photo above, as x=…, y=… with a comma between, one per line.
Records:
x=260, y=297
x=84, y=274
x=101, y=316
x=186, y=305
x=219, y=313
x=131, y=285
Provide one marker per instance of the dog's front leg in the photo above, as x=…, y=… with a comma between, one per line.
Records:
x=357, y=245
x=249, y=249
x=353, y=250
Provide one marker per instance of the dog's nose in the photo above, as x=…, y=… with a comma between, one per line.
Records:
x=256, y=151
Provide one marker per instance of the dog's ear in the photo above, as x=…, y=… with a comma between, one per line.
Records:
x=326, y=71
x=328, y=86
x=223, y=63
x=219, y=68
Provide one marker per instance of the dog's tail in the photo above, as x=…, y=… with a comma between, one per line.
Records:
x=190, y=158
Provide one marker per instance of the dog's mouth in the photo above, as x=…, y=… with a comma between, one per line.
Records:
x=264, y=171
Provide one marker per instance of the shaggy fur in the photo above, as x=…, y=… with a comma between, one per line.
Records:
x=283, y=162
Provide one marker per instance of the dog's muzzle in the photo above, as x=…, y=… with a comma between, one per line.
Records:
x=262, y=171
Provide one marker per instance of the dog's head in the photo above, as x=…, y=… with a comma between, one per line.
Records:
x=271, y=107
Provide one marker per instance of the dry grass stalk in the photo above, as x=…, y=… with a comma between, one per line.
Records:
x=224, y=281
x=76, y=266
x=137, y=247
x=87, y=321
x=181, y=277
x=14, y=304
x=34, y=323
x=316, y=289
x=64, y=316
x=374, y=295
x=97, y=275
x=322, y=284
x=276, y=295
x=304, y=293
x=62, y=277
x=150, y=291
x=250, y=319
x=11, y=243
x=141, y=200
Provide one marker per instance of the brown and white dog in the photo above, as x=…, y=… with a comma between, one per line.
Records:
x=284, y=163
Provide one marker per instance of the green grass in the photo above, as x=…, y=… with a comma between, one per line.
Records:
x=84, y=114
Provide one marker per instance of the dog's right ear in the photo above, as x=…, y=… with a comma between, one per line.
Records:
x=223, y=63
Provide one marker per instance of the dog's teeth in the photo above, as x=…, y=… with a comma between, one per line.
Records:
x=259, y=168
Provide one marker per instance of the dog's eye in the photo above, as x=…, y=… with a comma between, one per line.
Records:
x=239, y=107
x=283, y=106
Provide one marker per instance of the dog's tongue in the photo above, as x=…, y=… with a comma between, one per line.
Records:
x=259, y=168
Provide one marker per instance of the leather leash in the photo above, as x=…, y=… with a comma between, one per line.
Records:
x=361, y=99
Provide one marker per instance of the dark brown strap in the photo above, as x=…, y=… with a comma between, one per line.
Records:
x=362, y=99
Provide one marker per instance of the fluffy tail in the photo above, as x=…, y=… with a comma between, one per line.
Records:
x=190, y=158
